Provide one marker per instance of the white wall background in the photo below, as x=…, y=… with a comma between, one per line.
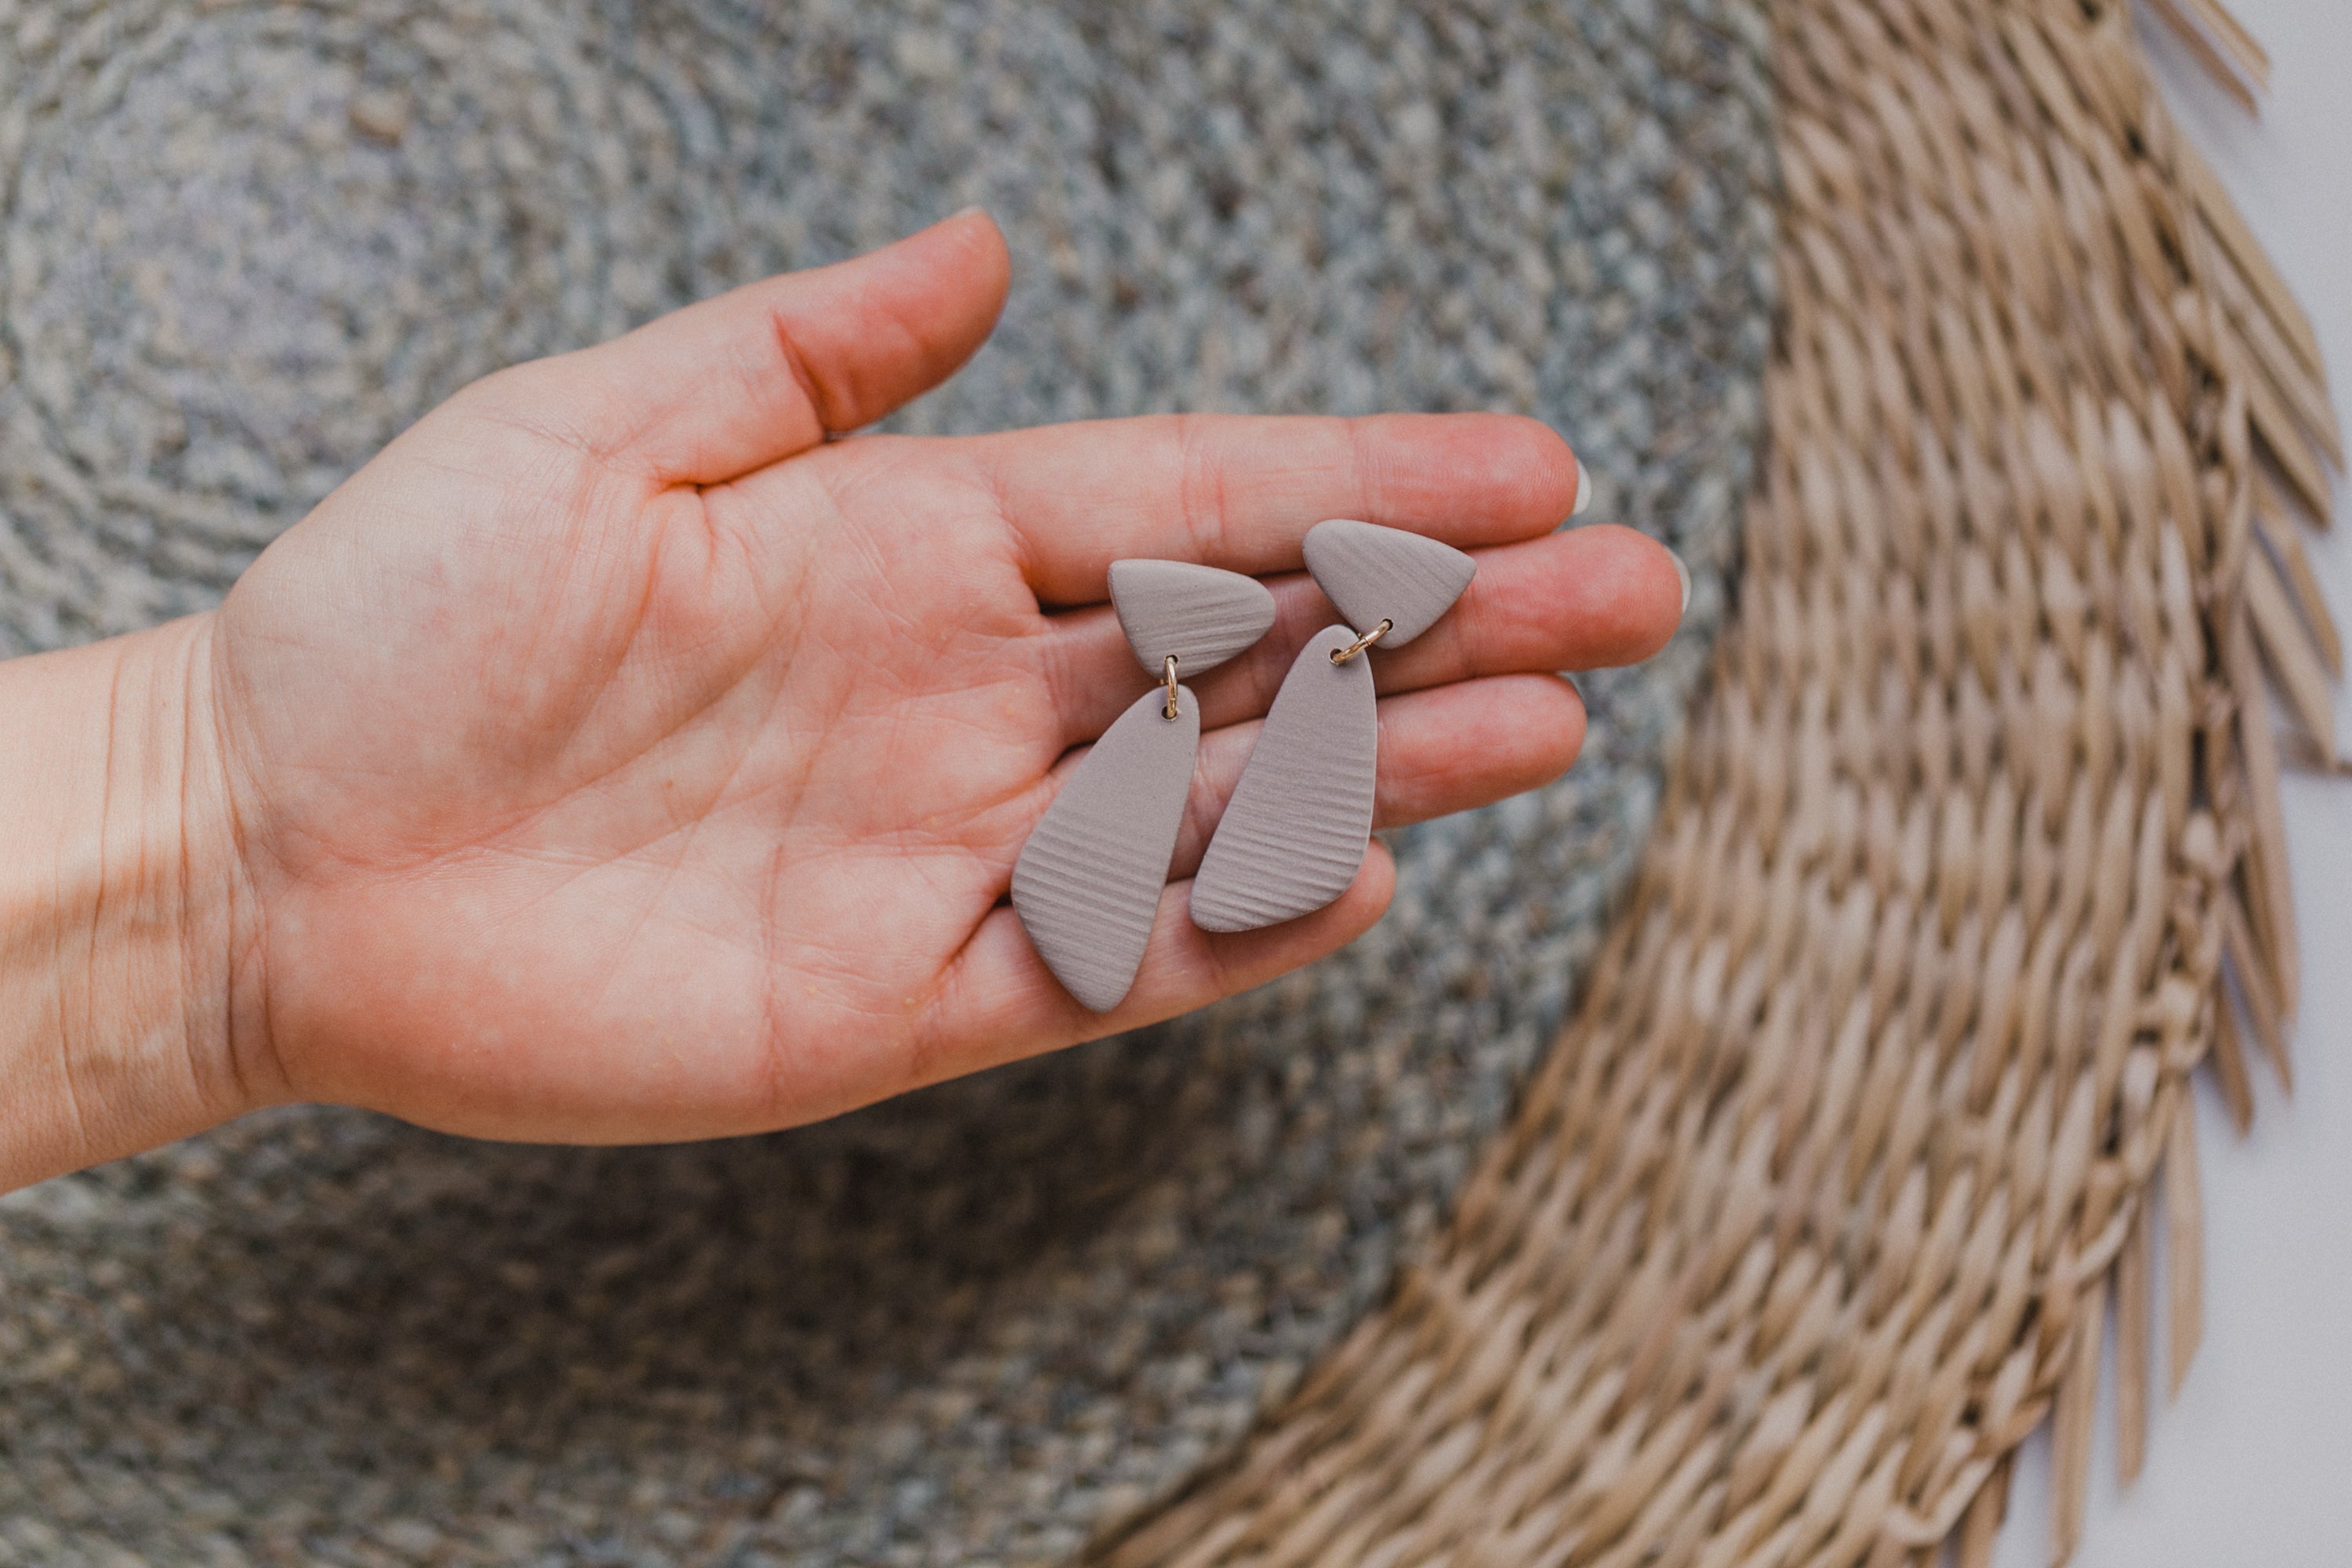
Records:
x=2253, y=1465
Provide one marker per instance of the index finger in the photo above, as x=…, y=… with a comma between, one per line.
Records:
x=1241, y=491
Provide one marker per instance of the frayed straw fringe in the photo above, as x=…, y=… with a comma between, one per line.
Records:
x=1972, y=854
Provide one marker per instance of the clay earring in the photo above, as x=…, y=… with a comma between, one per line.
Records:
x=1086, y=886
x=1301, y=818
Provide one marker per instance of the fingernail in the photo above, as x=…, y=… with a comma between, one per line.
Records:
x=1583, y=490
x=1682, y=572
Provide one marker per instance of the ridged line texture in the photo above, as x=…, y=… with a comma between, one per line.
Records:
x=1201, y=614
x=1295, y=830
x=1088, y=884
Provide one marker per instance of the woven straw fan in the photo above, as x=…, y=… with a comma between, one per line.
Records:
x=1972, y=854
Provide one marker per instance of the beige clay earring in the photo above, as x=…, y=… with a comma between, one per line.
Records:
x=1088, y=884
x=1295, y=830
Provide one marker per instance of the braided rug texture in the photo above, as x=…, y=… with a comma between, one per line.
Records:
x=1971, y=856
x=247, y=243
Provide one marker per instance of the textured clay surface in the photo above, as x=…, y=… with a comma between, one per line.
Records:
x=1203, y=615
x=1374, y=574
x=1295, y=831
x=1088, y=884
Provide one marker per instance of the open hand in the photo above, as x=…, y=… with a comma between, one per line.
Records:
x=620, y=756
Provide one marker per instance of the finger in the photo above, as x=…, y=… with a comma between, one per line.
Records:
x=1586, y=598
x=999, y=1002
x=711, y=392
x=1454, y=748
x=1241, y=492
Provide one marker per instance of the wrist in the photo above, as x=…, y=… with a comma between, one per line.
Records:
x=122, y=901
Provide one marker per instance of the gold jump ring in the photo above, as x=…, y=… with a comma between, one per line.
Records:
x=1342, y=655
x=1168, y=673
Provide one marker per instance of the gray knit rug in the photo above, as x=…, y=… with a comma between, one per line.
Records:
x=244, y=243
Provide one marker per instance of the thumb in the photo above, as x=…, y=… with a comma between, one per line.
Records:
x=711, y=392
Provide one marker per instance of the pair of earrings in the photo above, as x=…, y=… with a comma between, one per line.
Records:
x=1086, y=886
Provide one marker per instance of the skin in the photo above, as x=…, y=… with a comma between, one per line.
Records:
x=626, y=755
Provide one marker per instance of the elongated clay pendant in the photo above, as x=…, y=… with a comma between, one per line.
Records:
x=1088, y=884
x=1294, y=833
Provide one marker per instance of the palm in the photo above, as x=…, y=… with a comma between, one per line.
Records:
x=617, y=759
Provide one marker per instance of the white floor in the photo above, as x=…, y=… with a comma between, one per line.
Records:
x=2253, y=1464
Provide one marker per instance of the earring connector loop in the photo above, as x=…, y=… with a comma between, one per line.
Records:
x=1342, y=655
x=1168, y=673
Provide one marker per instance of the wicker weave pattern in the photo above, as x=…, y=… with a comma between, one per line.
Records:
x=1813, y=1213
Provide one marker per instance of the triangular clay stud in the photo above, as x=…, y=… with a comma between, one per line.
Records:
x=1294, y=833
x=1295, y=830
x=1200, y=614
x=1088, y=881
x=1374, y=574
